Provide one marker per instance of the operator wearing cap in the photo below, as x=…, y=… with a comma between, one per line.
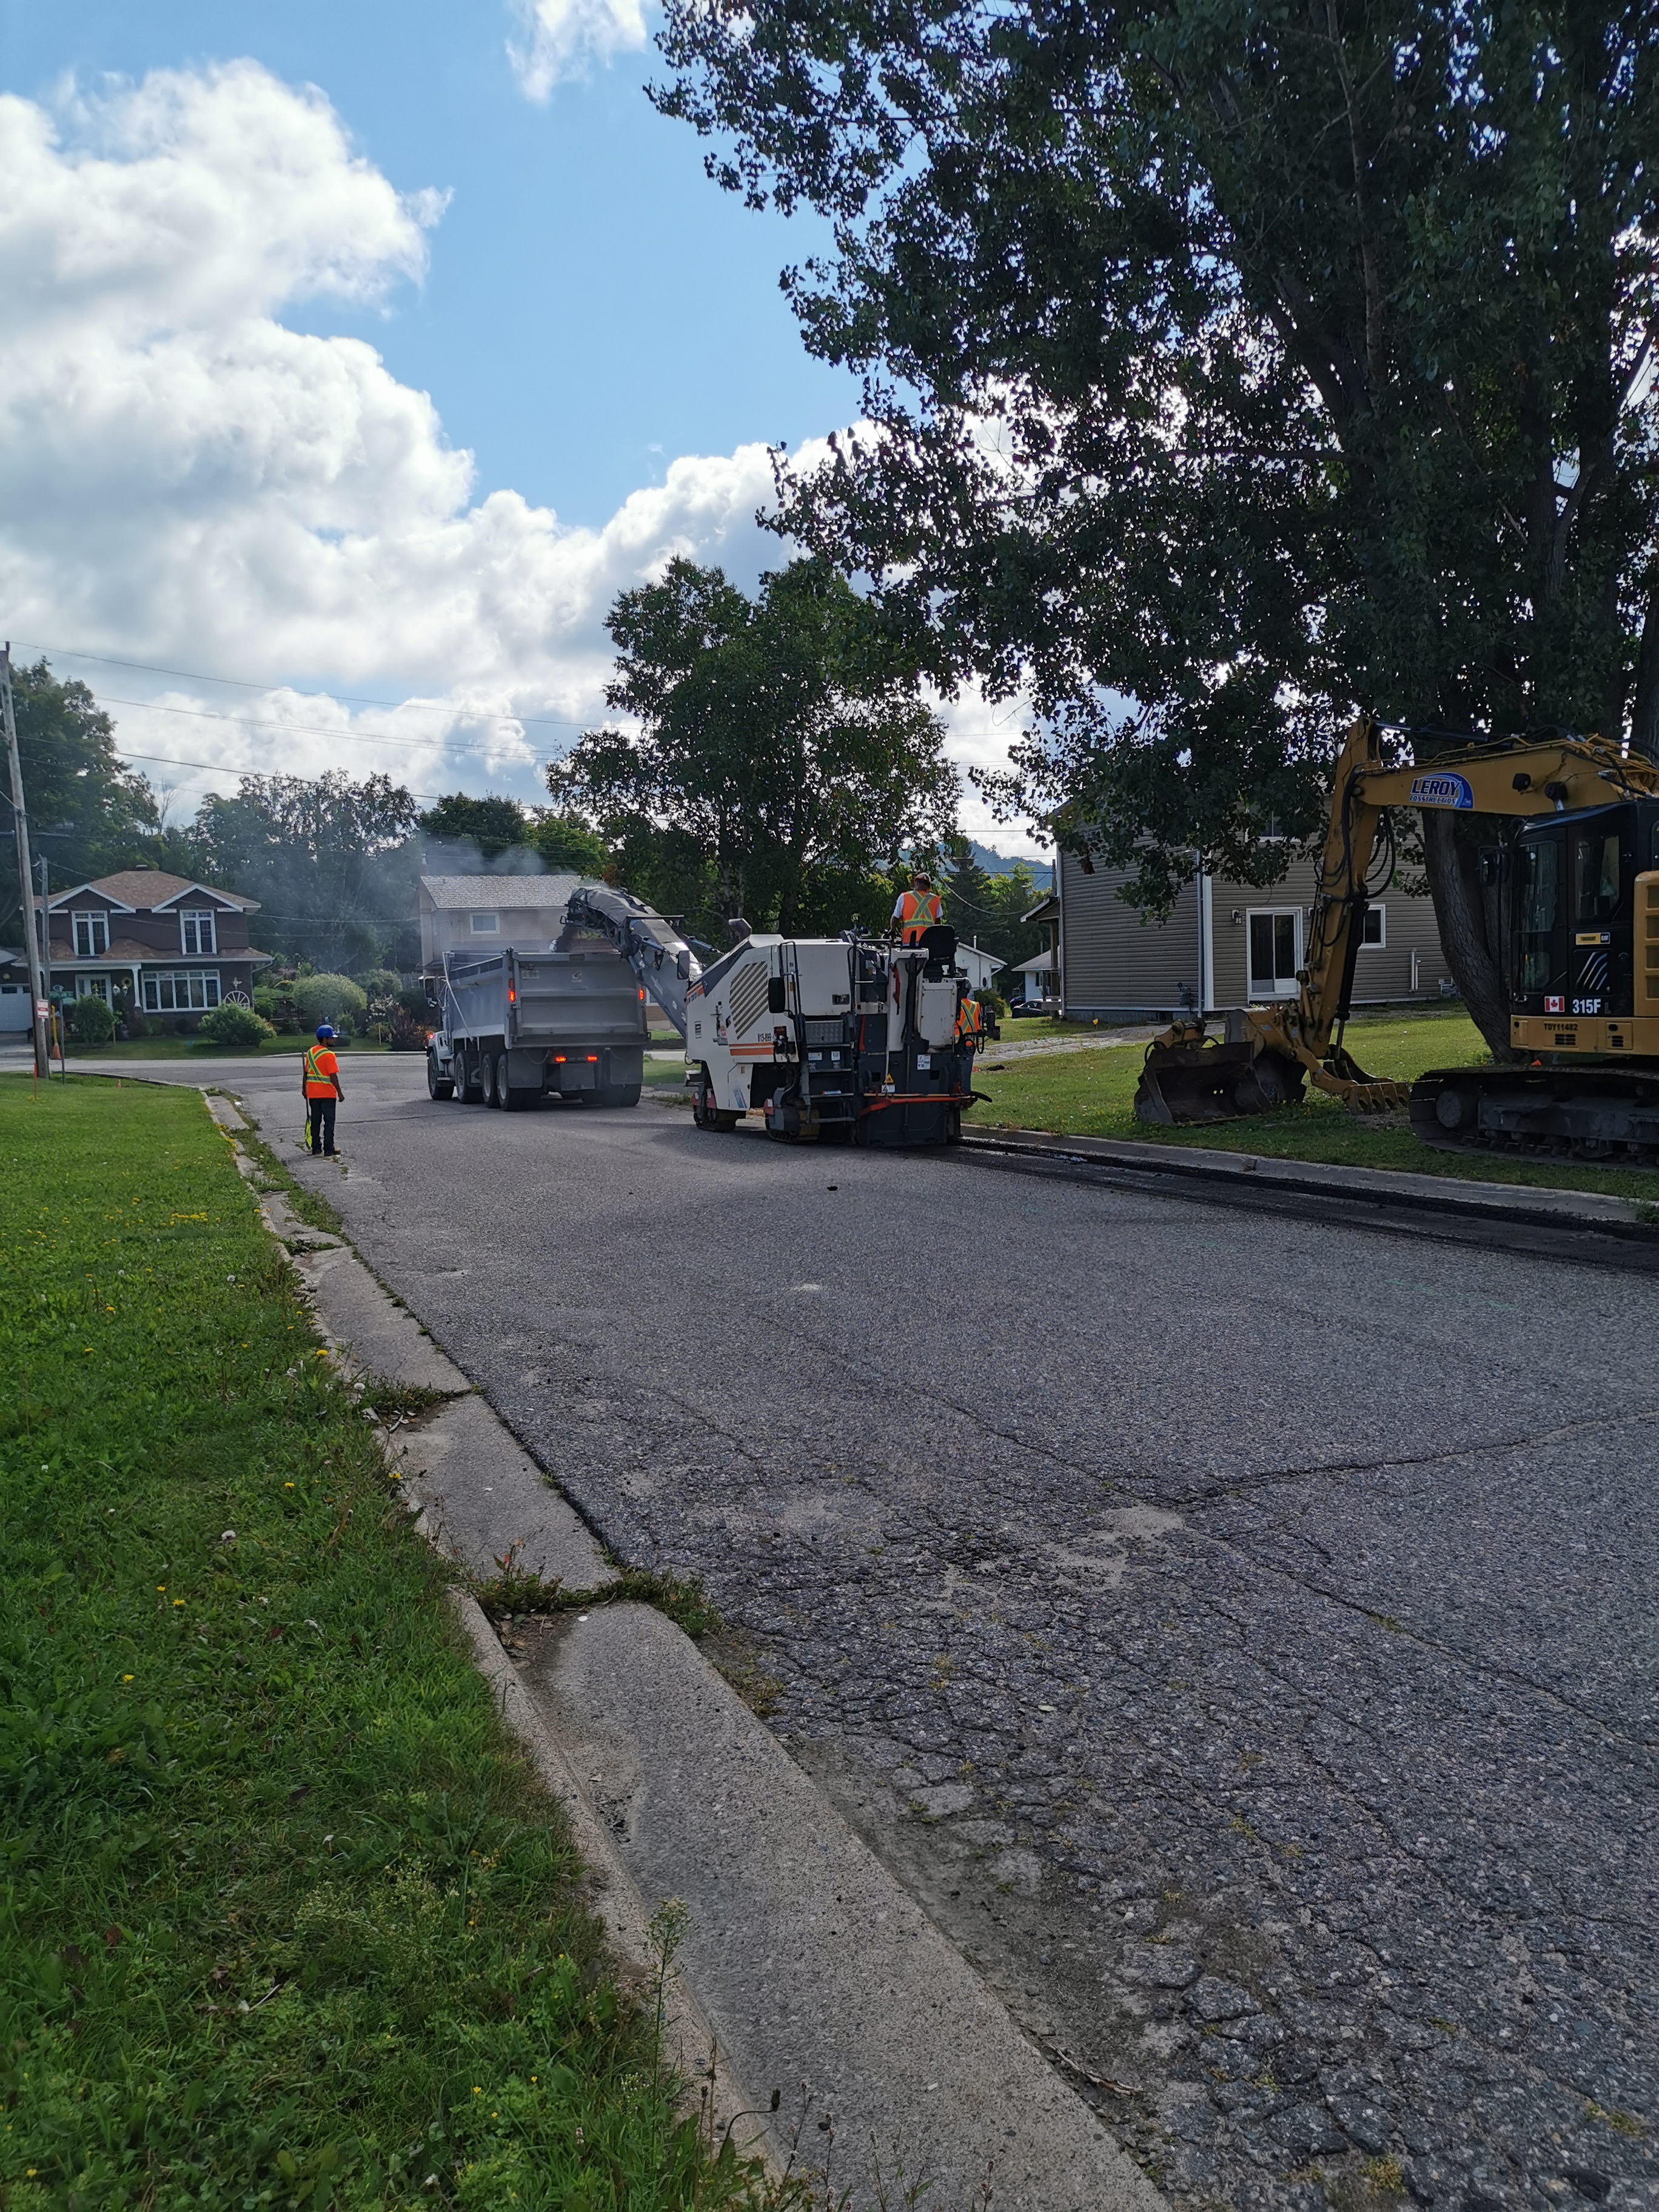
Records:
x=916, y=910
x=322, y=1088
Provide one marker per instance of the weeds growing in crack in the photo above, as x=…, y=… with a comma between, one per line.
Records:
x=512, y=1590
x=397, y=1404
x=809, y=2182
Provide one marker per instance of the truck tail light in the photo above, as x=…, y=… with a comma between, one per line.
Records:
x=641, y=994
x=559, y=1058
x=592, y=1059
x=512, y=996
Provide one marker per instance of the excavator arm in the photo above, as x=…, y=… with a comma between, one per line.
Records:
x=1269, y=1052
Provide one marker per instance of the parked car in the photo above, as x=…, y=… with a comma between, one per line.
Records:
x=1034, y=1007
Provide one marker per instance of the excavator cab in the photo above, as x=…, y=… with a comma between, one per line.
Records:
x=1572, y=884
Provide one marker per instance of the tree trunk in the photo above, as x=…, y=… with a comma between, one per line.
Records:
x=1644, y=715
x=1467, y=927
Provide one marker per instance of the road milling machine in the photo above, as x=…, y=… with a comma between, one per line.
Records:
x=1577, y=880
x=845, y=1039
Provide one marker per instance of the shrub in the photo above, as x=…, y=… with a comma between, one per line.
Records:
x=274, y=1003
x=380, y=988
x=229, y=1023
x=993, y=1003
x=334, y=999
x=90, y=1021
x=406, y=1034
x=414, y=1001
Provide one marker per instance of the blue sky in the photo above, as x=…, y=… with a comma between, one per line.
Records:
x=355, y=358
x=594, y=306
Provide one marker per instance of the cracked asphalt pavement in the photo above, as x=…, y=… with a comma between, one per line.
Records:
x=1238, y=1632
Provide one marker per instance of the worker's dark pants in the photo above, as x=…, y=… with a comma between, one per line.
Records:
x=322, y=1123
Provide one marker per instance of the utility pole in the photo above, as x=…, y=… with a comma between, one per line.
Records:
x=25, y=869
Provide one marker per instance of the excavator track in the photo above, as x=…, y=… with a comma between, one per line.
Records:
x=1609, y=1115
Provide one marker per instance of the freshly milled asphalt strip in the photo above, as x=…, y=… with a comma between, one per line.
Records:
x=1236, y=1630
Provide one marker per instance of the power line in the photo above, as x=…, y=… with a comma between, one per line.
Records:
x=218, y=767
x=248, y=684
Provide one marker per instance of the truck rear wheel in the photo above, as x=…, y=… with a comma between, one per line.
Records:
x=515, y=1098
x=619, y=1094
x=487, y=1067
x=466, y=1078
x=704, y=1111
x=437, y=1086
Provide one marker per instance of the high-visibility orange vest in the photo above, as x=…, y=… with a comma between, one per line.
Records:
x=970, y=1017
x=918, y=910
x=321, y=1069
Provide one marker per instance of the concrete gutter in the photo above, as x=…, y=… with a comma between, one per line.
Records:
x=1448, y=1206
x=805, y=1969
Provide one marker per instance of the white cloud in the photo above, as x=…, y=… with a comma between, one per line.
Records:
x=563, y=39
x=187, y=482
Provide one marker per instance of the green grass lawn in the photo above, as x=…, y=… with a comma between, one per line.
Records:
x=1091, y=1093
x=286, y=1921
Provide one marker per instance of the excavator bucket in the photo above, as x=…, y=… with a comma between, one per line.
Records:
x=1185, y=1082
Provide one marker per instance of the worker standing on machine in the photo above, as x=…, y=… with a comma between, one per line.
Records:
x=916, y=910
x=321, y=1084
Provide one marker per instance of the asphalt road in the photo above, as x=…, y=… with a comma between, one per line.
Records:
x=1238, y=1632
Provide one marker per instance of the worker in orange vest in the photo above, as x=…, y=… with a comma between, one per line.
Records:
x=970, y=1023
x=916, y=910
x=322, y=1086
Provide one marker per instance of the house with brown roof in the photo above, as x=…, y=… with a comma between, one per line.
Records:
x=176, y=948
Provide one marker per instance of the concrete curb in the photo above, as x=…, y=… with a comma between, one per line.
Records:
x=691, y=2044
x=805, y=1969
x=1248, y=1176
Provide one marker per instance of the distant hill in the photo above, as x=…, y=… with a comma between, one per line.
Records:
x=999, y=864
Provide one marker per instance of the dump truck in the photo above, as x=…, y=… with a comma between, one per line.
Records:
x=1576, y=878
x=516, y=1026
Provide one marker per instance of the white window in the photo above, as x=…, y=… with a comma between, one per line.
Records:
x=486, y=925
x=196, y=930
x=183, y=992
x=1275, y=951
x=1376, y=926
x=91, y=935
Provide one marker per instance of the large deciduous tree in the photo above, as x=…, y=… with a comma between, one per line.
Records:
x=89, y=813
x=330, y=859
x=1229, y=366
x=782, y=759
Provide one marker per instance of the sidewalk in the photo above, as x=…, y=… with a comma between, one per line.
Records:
x=816, y=1975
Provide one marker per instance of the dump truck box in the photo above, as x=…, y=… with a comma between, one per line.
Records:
x=519, y=1026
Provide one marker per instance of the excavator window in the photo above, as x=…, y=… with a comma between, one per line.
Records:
x=1596, y=875
x=1537, y=896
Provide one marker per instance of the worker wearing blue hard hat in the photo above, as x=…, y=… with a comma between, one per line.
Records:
x=322, y=1086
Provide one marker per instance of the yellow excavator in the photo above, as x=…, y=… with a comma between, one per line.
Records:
x=1579, y=881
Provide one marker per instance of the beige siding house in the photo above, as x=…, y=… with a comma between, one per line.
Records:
x=1225, y=945
x=482, y=914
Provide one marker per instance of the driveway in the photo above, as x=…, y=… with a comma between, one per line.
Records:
x=1237, y=1632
